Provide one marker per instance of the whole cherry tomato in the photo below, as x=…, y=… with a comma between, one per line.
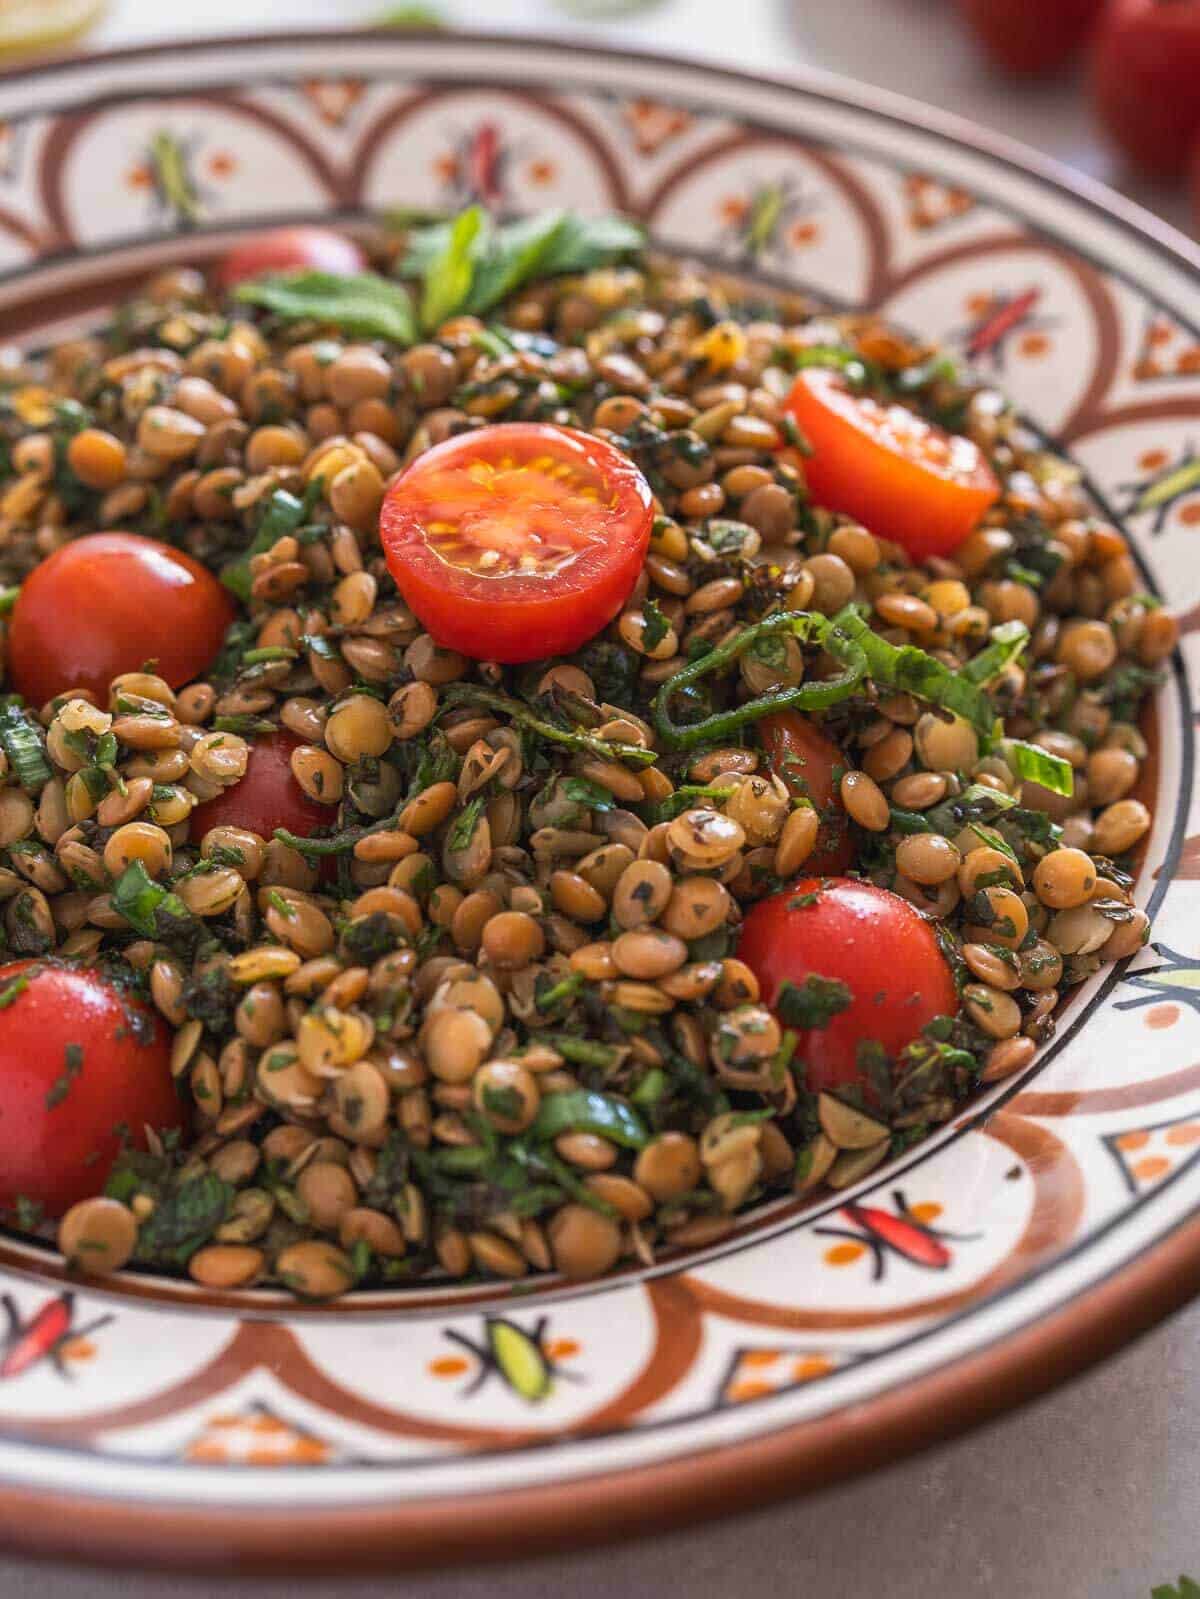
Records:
x=903, y=477
x=291, y=250
x=267, y=796
x=79, y=1061
x=517, y=541
x=107, y=603
x=1145, y=72
x=865, y=937
x=1031, y=36
x=810, y=765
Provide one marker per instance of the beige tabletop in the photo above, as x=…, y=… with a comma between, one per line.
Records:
x=1089, y=1494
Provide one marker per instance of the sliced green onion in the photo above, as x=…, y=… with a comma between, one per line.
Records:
x=807, y=626
x=1037, y=765
x=22, y=741
x=909, y=670
x=580, y=1110
x=1008, y=641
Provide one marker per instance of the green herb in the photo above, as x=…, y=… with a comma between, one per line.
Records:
x=583, y=1051
x=812, y=1003
x=582, y=791
x=22, y=741
x=514, y=256
x=468, y=264
x=1037, y=765
x=154, y=911
x=808, y=627
x=11, y=992
x=8, y=598
x=184, y=1219
x=655, y=627
x=29, y=1213
x=853, y=367
x=362, y=304
x=61, y=1086
x=581, y=1110
x=910, y=670
x=1007, y=642
x=282, y=514
x=462, y=829
x=449, y=274
x=572, y=738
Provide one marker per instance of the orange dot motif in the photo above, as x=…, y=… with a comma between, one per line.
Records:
x=1159, y=1017
x=1132, y=1141
x=1151, y=1168
x=1184, y=1136
x=844, y=1254
x=255, y=1438
x=749, y=1388
x=447, y=1366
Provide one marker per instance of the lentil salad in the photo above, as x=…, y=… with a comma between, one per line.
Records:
x=466, y=994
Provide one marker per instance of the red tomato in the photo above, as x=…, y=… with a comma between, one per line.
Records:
x=107, y=603
x=291, y=250
x=903, y=477
x=1031, y=36
x=807, y=761
x=78, y=1060
x=1145, y=69
x=518, y=541
x=869, y=939
x=266, y=797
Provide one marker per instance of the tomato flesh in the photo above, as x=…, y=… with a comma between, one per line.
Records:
x=1145, y=66
x=107, y=603
x=903, y=477
x=291, y=250
x=808, y=764
x=78, y=1060
x=518, y=541
x=267, y=796
x=866, y=937
x=1029, y=37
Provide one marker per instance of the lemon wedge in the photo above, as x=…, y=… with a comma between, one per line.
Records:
x=27, y=25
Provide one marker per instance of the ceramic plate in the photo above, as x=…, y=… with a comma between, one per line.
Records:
x=178, y=1425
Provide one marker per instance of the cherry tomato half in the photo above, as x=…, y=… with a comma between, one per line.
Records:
x=265, y=797
x=518, y=541
x=1031, y=36
x=107, y=603
x=869, y=939
x=1145, y=66
x=291, y=250
x=78, y=1060
x=809, y=764
x=903, y=477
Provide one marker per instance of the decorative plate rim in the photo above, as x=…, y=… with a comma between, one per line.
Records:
x=1010, y=1368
